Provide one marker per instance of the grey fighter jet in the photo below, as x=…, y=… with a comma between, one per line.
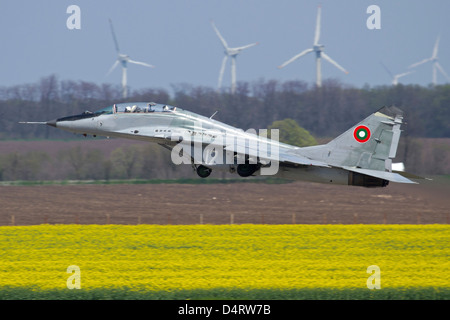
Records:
x=361, y=156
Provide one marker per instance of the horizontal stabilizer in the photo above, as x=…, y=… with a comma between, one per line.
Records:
x=409, y=175
x=390, y=176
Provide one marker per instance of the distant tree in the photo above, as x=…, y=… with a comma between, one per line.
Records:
x=49, y=88
x=126, y=161
x=18, y=166
x=76, y=159
x=107, y=169
x=94, y=161
x=151, y=95
x=291, y=133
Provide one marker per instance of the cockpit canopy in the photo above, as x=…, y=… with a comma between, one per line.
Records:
x=134, y=107
x=139, y=107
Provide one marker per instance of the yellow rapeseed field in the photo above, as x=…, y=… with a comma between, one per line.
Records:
x=155, y=258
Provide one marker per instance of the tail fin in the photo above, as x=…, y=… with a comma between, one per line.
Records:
x=366, y=149
x=371, y=144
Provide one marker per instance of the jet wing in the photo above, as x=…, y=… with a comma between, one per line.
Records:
x=254, y=152
x=298, y=159
x=390, y=176
x=280, y=154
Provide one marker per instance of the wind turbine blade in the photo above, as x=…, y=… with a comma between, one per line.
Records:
x=114, y=36
x=442, y=70
x=317, y=33
x=225, y=45
x=404, y=74
x=398, y=76
x=419, y=63
x=141, y=63
x=113, y=67
x=435, y=49
x=222, y=69
x=247, y=46
x=326, y=57
x=295, y=57
x=387, y=70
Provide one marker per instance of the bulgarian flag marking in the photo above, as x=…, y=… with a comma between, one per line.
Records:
x=361, y=134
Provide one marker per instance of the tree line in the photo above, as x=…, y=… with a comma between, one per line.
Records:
x=324, y=112
x=150, y=161
x=76, y=163
x=299, y=110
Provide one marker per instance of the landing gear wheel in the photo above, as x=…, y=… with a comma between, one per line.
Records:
x=246, y=170
x=203, y=172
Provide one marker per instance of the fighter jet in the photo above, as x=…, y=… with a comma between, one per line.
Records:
x=361, y=156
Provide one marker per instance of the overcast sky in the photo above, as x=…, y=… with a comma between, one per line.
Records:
x=176, y=36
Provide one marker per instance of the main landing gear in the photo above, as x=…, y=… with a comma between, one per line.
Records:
x=244, y=170
x=247, y=169
x=202, y=171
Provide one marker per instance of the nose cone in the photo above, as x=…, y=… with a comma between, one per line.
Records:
x=51, y=123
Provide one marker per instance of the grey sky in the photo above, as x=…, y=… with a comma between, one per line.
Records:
x=176, y=37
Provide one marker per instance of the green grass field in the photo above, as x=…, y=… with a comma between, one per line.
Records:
x=225, y=261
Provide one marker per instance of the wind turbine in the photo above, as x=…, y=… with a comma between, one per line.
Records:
x=318, y=49
x=395, y=77
x=434, y=60
x=123, y=59
x=232, y=53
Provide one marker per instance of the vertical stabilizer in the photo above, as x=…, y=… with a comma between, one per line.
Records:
x=370, y=144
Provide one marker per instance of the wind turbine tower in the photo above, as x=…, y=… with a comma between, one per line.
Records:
x=123, y=59
x=318, y=50
x=229, y=53
x=434, y=60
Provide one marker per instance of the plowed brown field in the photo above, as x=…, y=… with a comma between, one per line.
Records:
x=238, y=203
